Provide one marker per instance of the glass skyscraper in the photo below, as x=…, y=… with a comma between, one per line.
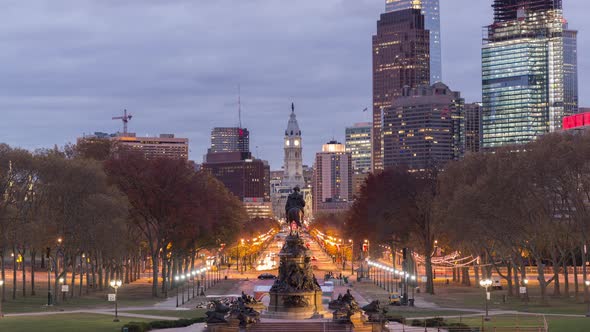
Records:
x=358, y=143
x=529, y=72
x=431, y=11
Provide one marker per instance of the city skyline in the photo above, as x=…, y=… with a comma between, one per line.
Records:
x=65, y=78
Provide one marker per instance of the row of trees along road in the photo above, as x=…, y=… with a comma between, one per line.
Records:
x=519, y=207
x=112, y=211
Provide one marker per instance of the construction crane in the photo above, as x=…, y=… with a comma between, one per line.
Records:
x=125, y=118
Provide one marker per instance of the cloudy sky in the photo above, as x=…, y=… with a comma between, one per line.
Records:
x=68, y=66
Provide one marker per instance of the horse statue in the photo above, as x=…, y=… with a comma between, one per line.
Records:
x=294, y=211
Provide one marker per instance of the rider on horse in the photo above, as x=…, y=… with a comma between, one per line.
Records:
x=294, y=207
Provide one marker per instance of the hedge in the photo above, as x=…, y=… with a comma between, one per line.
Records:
x=160, y=324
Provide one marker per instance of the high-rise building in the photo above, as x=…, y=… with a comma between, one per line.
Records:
x=358, y=143
x=162, y=146
x=529, y=72
x=400, y=58
x=245, y=178
x=431, y=11
x=332, y=184
x=229, y=139
x=293, y=167
x=423, y=128
x=472, y=120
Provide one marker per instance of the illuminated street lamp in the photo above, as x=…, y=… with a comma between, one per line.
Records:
x=182, y=283
x=176, y=278
x=61, y=284
x=116, y=284
x=485, y=283
x=351, y=256
x=193, y=273
x=1, y=286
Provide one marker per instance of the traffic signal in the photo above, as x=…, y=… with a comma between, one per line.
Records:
x=404, y=253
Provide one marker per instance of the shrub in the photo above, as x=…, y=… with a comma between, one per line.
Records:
x=396, y=318
x=161, y=324
x=136, y=327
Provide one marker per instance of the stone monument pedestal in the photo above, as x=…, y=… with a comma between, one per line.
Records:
x=296, y=293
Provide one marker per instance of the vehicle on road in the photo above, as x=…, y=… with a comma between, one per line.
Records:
x=394, y=298
x=313, y=259
x=266, y=276
x=496, y=283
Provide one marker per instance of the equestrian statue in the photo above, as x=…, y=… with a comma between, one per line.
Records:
x=294, y=211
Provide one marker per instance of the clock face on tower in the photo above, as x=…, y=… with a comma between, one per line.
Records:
x=287, y=143
x=296, y=142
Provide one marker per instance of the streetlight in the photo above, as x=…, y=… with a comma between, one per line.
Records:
x=238, y=262
x=176, y=278
x=61, y=285
x=526, y=290
x=116, y=284
x=193, y=273
x=182, y=280
x=587, y=283
x=485, y=283
x=1, y=286
x=351, y=256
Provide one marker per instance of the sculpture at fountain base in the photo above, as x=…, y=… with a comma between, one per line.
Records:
x=296, y=293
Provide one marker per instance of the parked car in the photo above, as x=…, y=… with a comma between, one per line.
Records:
x=266, y=276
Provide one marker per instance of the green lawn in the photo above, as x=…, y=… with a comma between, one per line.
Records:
x=65, y=323
x=556, y=323
x=471, y=297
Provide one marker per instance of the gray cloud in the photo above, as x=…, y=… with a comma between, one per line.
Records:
x=68, y=66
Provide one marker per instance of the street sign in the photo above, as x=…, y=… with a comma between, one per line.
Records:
x=112, y=297
x=424, y=279
x=488, y=295
x=522, y=290
x=65, y=288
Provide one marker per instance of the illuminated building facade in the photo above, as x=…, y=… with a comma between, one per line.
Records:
x=358, y=142
x=400, y=58
x=294, y=173
x=163, y=146
x=431, y=11
x=229, y=139
x=473, y=130
x=423, y=129
x=293, y=166
x=332, y=181
x=529, y=72
x=245, y=178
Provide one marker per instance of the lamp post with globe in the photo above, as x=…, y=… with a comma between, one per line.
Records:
x=486, y=283
x=116, y=284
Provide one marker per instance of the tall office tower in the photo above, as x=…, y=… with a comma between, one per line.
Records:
x=332, y=180
x=400, y=58
x=358, y=143
x=229, y=139
x=472, y=120
x=431, y=11
x=529, y=72
x=423, y=129
x=293, y=167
